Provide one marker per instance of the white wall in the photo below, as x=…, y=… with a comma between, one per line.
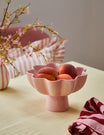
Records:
x=79, y=21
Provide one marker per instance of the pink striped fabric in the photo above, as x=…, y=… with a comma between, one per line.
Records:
x=4, y=77
x=52, y=48
x=91, y=120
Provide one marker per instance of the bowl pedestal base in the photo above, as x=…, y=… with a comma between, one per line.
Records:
x=57, y=103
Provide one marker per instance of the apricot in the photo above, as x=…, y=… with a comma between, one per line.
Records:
x=68, y=69
x=48, y=70
x=47, y=76
x=64, y=76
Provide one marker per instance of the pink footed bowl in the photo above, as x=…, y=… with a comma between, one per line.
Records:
x=57, y=91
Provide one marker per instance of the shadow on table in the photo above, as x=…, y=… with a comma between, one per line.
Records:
x=32, y=105
x=9, y=90
x=73, y=109
x=38, y=106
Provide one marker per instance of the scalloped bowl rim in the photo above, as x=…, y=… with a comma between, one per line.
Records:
x=53, y=86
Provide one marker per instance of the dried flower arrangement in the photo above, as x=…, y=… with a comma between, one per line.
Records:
x=13, y=41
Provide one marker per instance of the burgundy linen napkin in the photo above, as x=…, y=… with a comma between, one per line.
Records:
x=91, y=120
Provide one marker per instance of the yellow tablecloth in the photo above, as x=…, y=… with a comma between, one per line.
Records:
x=23, y=111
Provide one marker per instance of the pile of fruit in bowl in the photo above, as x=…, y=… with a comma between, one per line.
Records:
x=65, y=71
x=57, y=81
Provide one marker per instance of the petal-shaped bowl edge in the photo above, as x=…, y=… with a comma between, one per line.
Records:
x=58, y=87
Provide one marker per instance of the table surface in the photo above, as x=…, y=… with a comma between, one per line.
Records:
x=23, y=110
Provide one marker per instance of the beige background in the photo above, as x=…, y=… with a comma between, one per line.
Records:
x=81, y=22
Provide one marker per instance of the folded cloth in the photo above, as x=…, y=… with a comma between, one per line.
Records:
x=91, y=120
x=49, y=50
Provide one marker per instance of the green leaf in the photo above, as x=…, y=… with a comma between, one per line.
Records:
x=26, y=28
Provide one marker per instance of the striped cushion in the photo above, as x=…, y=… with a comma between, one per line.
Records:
x=52, y=48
